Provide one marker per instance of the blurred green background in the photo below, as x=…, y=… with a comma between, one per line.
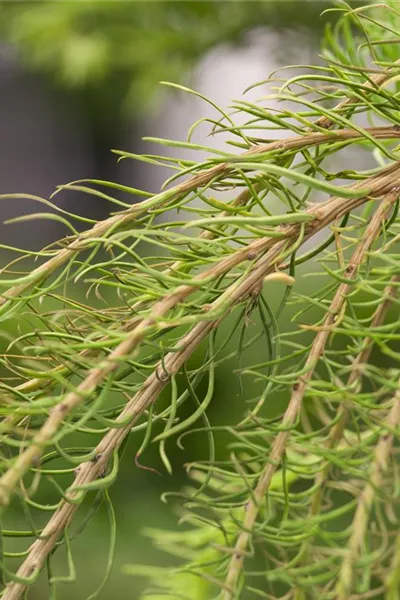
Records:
x=80, y=78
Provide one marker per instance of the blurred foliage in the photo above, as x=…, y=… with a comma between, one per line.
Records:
x=117, y=52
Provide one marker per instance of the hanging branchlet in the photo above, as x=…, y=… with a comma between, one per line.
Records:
x=302, y=501
x=290, y=417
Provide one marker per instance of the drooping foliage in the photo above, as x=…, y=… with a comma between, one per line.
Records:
x=301, y=502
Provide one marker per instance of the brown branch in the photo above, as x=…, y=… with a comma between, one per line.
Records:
x=106, y=226
x=375, y=81
x=38, y=382
x=337, y=430
x=366, y=499
x=149, y=392
x=336, y=433
x=299, y=389
x=96, y=375
x=392, y=583
x=103, y=228
x=323, y=214
x=90, y=471
x=290, y=143
x=242, y=199
x=45, y=381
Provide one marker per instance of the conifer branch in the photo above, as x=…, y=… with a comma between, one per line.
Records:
x=392, y=582
x=124, y=219
x=237, y=292
x=376, y=81
x=366, y=499
x=296, y=143
x=357, y=368
x=322, y=215
x=291, y=414
x=197, y=286
x=354, y=382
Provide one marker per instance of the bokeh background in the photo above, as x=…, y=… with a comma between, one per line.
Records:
x=80, y=78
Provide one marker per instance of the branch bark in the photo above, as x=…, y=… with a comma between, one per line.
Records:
x=104, y=228
x=294, y=143
x=289, y=419
x=366, y=499
x=323, y=215
x=337, y=430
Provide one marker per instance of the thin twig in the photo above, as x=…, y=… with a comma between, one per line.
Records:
x=108, y=225
x=392, y=586
x=375, y=81
x=289, y=419
x=366, y=499
x=294, y=143
x=44, y=271
x=361, y=359
x=336, y=432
